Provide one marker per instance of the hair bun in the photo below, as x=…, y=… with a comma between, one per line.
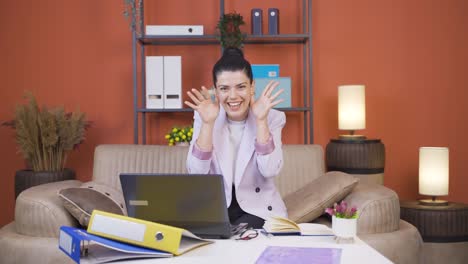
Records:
x=233, y=52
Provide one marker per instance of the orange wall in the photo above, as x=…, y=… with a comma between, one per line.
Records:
x=409, y=54
x=412, y=56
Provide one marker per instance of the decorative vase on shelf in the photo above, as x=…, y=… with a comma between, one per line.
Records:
x=345, y=229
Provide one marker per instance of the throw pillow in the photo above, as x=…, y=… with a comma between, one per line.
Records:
x=309, y=202
x=80, y=202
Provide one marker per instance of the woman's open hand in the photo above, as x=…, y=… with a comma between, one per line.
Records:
x=202, y=103
x=265, y=101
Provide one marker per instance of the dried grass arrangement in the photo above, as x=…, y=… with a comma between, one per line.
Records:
x=45, y=136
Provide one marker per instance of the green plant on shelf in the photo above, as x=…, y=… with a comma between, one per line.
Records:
x=229, y=33
x=132, y=12
x=179, y=135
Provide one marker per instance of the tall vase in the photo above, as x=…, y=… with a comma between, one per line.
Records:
x=25, y=179
x=344, y=229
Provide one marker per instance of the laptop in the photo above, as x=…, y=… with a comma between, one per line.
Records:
x=191, y=201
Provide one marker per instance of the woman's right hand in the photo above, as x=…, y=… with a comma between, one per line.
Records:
x=202, y=103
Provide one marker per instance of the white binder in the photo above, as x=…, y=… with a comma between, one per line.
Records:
x=174, y=30
x=172, y=82
x=154, y=82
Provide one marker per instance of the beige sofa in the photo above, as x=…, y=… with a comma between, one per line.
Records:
x=32, y=237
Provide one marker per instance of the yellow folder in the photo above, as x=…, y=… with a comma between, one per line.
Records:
x=143, y=233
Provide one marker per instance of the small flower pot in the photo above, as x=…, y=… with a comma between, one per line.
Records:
x=344, y=228
x=182, y=144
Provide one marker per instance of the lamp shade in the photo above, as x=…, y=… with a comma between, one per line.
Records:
x=351, y=107
x=433, y=171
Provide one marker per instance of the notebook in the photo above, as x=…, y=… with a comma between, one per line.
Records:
x=190, y=201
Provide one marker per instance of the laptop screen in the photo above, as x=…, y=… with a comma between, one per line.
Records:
x=190, y=201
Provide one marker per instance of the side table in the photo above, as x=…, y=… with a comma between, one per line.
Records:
x=444, y=230
x=363, y=158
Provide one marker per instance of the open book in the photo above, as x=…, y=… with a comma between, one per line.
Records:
x=283, y=226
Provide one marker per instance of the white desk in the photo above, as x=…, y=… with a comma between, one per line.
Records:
x=238, y=251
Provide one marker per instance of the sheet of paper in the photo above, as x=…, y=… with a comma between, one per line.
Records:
x=299, y=255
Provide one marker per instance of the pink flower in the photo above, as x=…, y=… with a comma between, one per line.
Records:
x=342, y=210
x=338, y=208
x=330, y=211
x=344, y=206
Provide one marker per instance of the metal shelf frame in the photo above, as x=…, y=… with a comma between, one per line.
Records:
x=305, y=39
x=174, y=110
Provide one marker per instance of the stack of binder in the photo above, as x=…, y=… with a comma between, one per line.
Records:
x=265, y=73
x=163, y=82
x=112, y=237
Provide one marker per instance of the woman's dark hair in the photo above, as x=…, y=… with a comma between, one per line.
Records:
x=232, y=60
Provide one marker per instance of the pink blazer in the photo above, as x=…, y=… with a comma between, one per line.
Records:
x=256, y=165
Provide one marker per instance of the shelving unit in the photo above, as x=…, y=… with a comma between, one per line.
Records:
x=305, y=39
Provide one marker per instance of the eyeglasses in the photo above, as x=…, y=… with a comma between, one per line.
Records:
x=248, y=234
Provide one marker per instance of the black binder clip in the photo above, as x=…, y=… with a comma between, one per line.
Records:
x=84, y=248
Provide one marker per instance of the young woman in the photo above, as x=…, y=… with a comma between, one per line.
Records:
x=240, y=138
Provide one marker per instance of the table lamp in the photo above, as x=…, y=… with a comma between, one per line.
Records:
x=351, y=110
x=433, y=174
x=355, y=154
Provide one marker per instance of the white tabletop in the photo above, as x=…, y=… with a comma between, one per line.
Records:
x=239, y=251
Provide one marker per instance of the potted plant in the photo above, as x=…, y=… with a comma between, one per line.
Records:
x=344, y=221
x=229, y=31
x=133, y=12
x=45, y=137
x=179, y=136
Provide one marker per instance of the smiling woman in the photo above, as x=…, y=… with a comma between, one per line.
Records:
x=234, y=91
x=240, y=140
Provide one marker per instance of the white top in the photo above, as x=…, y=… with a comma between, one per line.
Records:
x=236, y=130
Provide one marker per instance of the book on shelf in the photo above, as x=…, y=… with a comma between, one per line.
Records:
x=83, y=247
x=283, y=226
x=299, y=255
x=144, y=233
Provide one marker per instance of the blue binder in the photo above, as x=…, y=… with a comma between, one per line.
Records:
x=265, y=70
x=284, y=83
x=256, y=21
x=273, y=21
x=80, y=245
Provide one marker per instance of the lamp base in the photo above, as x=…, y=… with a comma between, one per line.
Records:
x=432, y=202
x=351, y=137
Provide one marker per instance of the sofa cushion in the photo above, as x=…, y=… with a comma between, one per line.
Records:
x=310, y=201
x=302, y=164
x=39, y=212
x=111, y=160
x=81, y=202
